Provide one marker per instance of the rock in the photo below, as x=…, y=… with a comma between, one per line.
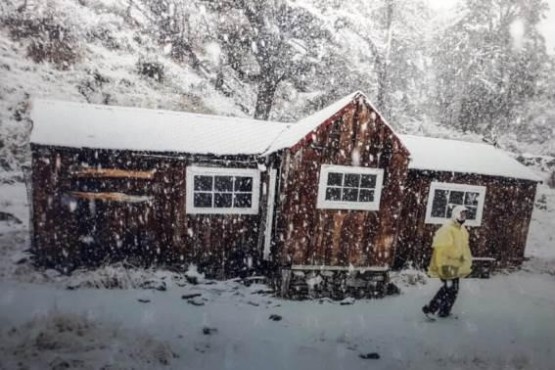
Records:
x=369, y=356
x=143, y=300
x=275, y=317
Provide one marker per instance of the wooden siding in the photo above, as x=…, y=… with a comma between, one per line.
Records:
x=356, y=136
x=502, y=235
x=151, y=228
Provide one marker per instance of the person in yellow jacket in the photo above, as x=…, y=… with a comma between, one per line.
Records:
x=451, y=261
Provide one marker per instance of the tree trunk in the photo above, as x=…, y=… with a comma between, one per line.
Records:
x=382, y=65
x=265, y=98
x=381, y=68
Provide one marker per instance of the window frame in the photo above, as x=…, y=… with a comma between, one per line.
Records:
x=325, y=169
x=193, y=171
x=481, y=190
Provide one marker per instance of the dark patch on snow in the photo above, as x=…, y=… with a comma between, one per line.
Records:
x=209, y=331
x=143, y=300
x=195, y=302
x=370, y=356
x=190, y=296
x=191, y=279
x=275, y=317
x=392, y=289
x=5, y=216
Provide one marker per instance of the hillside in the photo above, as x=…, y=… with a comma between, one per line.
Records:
x=114, y=52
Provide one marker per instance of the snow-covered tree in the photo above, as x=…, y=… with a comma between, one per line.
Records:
x=488, y=62
x=267, y=42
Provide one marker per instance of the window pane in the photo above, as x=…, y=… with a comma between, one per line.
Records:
x=366, y=195
x=333, y=194
x=335, y=179
x=223, y=183
x=471, y=214
x=471, y=199
x=439, y=203
x=222, y=200
x=243, y=201
x=368, y=181
x=243, y=184
x=202, y=200
x=456, y=197
x=352, y=180
x=203, y=183
x=350, y=195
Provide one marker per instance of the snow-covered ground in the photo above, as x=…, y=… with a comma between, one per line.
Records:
x=157, y=319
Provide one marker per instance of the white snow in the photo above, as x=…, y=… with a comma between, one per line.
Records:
x=48, y=319
x=463, y=157
x=506, y=322
x=107, y=127
x=13, y=201
x=60, y=341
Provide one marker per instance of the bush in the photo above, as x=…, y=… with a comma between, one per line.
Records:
x=150, y=68
x=49, y=41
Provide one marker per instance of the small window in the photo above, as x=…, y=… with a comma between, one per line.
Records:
x=222, y=190
x=445, y=196
x=344, y=187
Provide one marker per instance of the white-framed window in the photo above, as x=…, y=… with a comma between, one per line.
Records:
x=444, y=197
x=222, y=190
x=345, y=187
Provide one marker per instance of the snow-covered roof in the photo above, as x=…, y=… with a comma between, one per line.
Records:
x=459, y=156
x=302, y=128
x=82, y=125
x=107, y=127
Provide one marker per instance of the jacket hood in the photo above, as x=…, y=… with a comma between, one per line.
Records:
x=456, y=213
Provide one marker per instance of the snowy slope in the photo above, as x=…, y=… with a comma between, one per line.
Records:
x=106, y=72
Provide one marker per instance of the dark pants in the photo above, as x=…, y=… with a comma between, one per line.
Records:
x=445, y=298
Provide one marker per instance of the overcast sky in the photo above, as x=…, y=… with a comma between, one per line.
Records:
x=547, y=26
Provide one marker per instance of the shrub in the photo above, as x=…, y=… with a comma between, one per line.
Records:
x=150, y=68
x=49, y=40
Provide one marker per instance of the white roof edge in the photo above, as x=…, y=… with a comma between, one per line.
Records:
x=149, y=110
x=111, y=127
x=296, y=132
x=430, y=158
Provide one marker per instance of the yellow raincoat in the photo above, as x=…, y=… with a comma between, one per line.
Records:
x=451, y=257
